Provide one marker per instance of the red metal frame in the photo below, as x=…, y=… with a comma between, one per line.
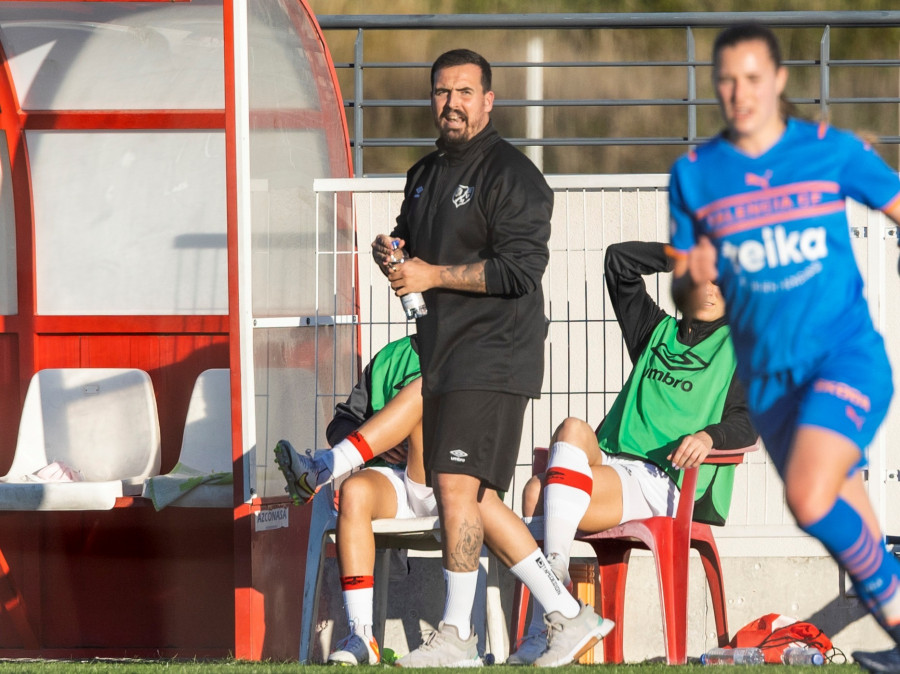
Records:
x=135, y=1
x=80, y=120
x=10, y=122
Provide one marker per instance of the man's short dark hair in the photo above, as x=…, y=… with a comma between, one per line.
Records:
x=461, y=57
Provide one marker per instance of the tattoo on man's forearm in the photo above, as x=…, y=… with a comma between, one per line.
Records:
x=468, y=550
x=464, y=277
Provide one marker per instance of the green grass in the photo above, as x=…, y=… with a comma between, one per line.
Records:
x=104, y=666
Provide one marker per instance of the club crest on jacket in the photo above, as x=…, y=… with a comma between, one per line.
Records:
x=462, y=195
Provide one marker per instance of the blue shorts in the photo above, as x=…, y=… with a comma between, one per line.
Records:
x=847, y=392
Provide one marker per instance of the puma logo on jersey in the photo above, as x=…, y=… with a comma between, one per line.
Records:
x=753, y=180
x=778, y=248
x=852, y=415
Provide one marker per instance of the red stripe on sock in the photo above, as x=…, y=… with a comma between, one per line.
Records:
x=570, y=478
x=357, y=582
x=361, y=445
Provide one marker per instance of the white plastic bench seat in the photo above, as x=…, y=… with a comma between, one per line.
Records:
x=202, y=477
x=101, y=422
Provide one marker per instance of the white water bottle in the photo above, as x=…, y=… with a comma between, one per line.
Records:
x=798, y=655
x=413, y=303
x=733, y=656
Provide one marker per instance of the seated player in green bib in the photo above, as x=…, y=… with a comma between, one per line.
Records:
x=681, y=400
x=379, y=429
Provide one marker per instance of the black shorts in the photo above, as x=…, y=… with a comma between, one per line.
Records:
x=473, y=433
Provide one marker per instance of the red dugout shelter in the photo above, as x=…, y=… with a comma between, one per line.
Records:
x=157, y=212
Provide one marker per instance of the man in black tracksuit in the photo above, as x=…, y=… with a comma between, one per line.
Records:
x=475, y=222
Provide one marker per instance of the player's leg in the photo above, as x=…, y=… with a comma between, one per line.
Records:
x=384, y=430
x=604, y=510
x=572, y=627
x=836, y=510
x=445, y=428
x=415, y=460
x=569, y=491
x=839, y=413
x=365, y=496
x=394, y=422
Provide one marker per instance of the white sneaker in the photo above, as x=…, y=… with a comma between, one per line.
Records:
x=568, y=638
x=444, y=648
x=355, y=649
x=529, y=649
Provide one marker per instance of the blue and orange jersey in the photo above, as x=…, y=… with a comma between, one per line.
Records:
x=779, y=223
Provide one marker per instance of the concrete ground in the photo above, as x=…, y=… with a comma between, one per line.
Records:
x=808, y=588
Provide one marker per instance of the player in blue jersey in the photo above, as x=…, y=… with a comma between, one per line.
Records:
x=761, y=209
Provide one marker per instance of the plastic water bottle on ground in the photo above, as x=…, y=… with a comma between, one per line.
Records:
x=413, y=303
x=798, y=655
x=733, y=656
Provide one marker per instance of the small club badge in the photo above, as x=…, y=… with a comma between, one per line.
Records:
x=462, y=195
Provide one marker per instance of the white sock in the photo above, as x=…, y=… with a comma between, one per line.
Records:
x=535, y=572
x=351, y=452
x=358, y=595
x=460, y=599
x=567, y=495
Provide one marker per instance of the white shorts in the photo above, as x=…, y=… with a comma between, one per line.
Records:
x=413, y=499
x=646, y=489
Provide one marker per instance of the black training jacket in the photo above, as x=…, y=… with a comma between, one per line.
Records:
x=483, y=200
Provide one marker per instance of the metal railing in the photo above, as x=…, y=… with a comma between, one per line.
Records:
x=360, y=107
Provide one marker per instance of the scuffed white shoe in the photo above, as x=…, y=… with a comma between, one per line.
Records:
x=444, y=648
x=569, y=638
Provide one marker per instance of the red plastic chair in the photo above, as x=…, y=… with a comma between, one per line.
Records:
x=670, y=540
